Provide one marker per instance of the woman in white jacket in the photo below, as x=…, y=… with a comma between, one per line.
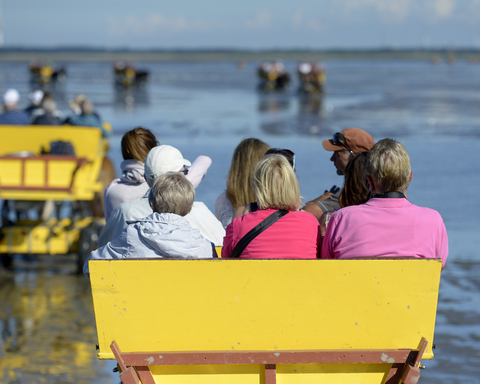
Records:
x=136, y=144
x=165, y=232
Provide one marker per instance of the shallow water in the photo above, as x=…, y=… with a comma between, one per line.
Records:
x=46, y=320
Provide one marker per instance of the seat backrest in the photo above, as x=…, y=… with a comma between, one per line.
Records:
x=211, y=305
x=87, y=141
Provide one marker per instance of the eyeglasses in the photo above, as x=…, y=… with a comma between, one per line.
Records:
x=339, y=139
x=285, y=152
x=184, y=171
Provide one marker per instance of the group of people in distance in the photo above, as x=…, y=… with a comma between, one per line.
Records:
x=43, y=111
x=151, y=209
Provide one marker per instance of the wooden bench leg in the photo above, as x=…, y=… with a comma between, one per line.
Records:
x=270, y=374
x=128, y=375
x=411, y=373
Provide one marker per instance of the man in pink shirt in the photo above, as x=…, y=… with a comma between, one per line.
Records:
x=388, y=225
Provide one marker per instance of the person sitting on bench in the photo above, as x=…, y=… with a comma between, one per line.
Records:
x=165, y=232
x=296, y=235
x=387, y=225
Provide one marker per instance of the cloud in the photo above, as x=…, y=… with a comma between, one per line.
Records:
x=474, y=9
x=152, y=24
x=297, y=18
x=437, y=10
x=262, y=20
x=388, y=11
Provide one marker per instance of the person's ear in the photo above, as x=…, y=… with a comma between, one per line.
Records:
x=411, y=177
x=371, y=185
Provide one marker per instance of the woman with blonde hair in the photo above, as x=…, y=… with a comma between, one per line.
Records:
x=277, y=229
x=240, y=190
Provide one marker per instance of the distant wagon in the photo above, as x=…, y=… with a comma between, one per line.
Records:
x=272, y=76
x=312, y=77
x=127, y=75
x=46, y=73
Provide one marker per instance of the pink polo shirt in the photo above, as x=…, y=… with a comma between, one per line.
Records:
x=384, y=227
x=296, y=235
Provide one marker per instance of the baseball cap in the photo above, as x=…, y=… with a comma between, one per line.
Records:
x=163, y=159
x=356, y=140
x=11, y=96
x=36, y=96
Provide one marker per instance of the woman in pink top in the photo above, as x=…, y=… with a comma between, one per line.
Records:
x=296, y=235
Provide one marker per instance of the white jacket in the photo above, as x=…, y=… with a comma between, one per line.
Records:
x=158, y=235
x=132, y=185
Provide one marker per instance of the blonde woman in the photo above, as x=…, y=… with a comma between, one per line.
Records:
x=240, y=190
x=295, y=235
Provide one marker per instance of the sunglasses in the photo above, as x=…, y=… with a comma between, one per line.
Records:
x=284, y=152
x=339, y=139
x=184, y=171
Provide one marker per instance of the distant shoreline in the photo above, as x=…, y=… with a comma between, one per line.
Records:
x=59, y=55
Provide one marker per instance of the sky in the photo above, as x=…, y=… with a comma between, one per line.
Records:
x=245, y=24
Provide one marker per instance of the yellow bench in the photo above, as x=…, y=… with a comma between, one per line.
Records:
x=266, y=321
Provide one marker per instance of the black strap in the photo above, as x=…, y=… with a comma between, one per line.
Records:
x=259, y=228
x=391, y=195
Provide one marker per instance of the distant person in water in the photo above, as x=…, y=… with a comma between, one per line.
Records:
x=50, y=115
x=36, y=98
x=87, y=117
x=10, y=101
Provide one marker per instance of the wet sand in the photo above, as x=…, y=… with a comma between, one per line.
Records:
x=47, y=325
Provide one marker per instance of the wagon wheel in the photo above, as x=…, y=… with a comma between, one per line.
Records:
x=87, y=242
x=6, y=260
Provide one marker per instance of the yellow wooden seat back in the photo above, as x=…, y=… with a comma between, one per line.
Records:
x=265, y=305
x=38, y=177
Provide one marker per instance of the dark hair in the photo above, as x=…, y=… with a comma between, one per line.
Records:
x=137, y=143
x=287, y=153
x=355, y=191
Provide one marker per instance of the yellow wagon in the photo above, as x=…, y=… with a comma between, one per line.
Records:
x=36, y=184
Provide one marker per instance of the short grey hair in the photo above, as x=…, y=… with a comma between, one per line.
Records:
x=50, y=106
x=172, y=193
x=388, y=164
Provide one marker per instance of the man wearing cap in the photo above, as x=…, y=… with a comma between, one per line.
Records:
x=10, y=115
x=345, y=146
x=160, y=160
x=387, y=225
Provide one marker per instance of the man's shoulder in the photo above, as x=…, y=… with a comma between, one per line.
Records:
x=15, y=117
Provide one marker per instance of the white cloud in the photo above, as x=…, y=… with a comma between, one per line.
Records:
x=389, y=11
x=316, y=26
x=152, y=24
x=394, y=11
x=437, y=10
x=262, y=20
x=297, y=18
x=474, y=10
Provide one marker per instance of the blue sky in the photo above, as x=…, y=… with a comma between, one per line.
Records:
x=259, y=24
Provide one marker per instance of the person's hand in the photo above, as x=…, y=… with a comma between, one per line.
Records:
x=332, y=191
